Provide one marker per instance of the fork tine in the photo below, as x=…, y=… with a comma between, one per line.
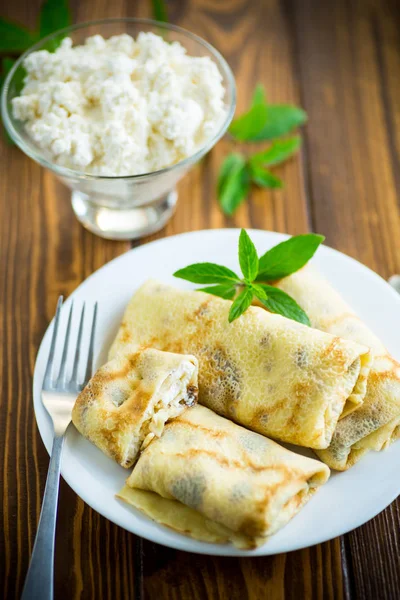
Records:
x=74, y=376
x=50, y=360
x=61, y=375
x=89, y=365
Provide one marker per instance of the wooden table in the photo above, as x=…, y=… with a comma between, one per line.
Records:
x=341, y=61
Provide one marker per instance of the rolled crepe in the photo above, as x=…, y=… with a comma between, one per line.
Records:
x=127, y=402
x=206, y=470
x=268, y=373
x=377, y=422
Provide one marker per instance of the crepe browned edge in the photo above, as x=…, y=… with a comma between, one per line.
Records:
x=185, y=520
x=136, y=375
x=238, y=478
x=376, y=424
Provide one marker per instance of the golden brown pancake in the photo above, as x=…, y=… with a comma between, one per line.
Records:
x=216, y=481
x=377, y=422
x=266, y=372
x=127, y=402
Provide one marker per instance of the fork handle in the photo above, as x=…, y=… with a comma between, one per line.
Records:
x=40, y=577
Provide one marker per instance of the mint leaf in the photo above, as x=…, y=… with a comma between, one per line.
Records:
x=54, y=15
x=207, y=273
x=265, y=178
x=14, y=38
x=280, y=120
x=259, y=291
x=234, y=184
x=6, y=66
x=240, y=304
x=259, y=95
x=18, y=77
x=230, y=163
x=277, y=152
x=288, y=257
x=160, y=11
x=225, y=291
x=281, y=303
x=248, y=125
x=248, y=258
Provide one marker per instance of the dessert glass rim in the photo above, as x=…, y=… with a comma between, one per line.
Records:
x=32, y=150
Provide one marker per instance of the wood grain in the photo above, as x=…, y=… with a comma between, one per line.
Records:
x=347, y=56
x=341, y=60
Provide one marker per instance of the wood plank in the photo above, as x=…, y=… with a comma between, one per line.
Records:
x=45, y=252
x=349, y=54
x=255, y=39
x=55, y=256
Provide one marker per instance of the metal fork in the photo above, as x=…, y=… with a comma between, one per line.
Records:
x=58, y=396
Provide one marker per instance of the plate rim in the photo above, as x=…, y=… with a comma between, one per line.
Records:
x=182, y=542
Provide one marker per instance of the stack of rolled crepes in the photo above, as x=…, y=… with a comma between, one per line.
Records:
x=207, y=477
x=210, y=478
x=268, y=373
x=331, y=387
x=376, y=423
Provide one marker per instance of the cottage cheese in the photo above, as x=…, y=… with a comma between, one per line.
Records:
x=120, y=106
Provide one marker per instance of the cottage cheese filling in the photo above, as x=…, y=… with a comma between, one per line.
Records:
x=120, y=106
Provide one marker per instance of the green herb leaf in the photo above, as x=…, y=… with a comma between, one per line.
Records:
x=259, y=96
x=280, y=120
x=234, y=183
x=281, y=303
x=248, y=258
x=265, y=178
x=277, y=152
x=230, y=163
x=6, y=66
x=248, y=125
x=288, y=257
x=54, y=15
x=160, y=11
x=259, y=291
x=207, y=273
x=225, y=291
x=14, y=38
x=240, y=304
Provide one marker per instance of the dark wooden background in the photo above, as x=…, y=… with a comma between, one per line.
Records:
x=341, y=61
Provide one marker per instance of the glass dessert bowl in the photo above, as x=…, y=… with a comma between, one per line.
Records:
x=123, y=206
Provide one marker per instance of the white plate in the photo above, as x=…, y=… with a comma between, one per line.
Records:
x=348, y=499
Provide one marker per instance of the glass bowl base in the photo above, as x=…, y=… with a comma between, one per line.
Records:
x=123, y=223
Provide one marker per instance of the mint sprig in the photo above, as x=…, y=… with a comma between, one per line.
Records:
x=223, y=290
x=287, y=257
x=207, y=273
x=240, y=304
x=233, y=182
x=278, y=301
x=277, y=152
x=15, y=38
x=264, y=178
x=259, y=96
x=263, y=121
x=160, y=11
x=248, y=258
x=247, y=126
x=258, y=272
x=237, y=172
